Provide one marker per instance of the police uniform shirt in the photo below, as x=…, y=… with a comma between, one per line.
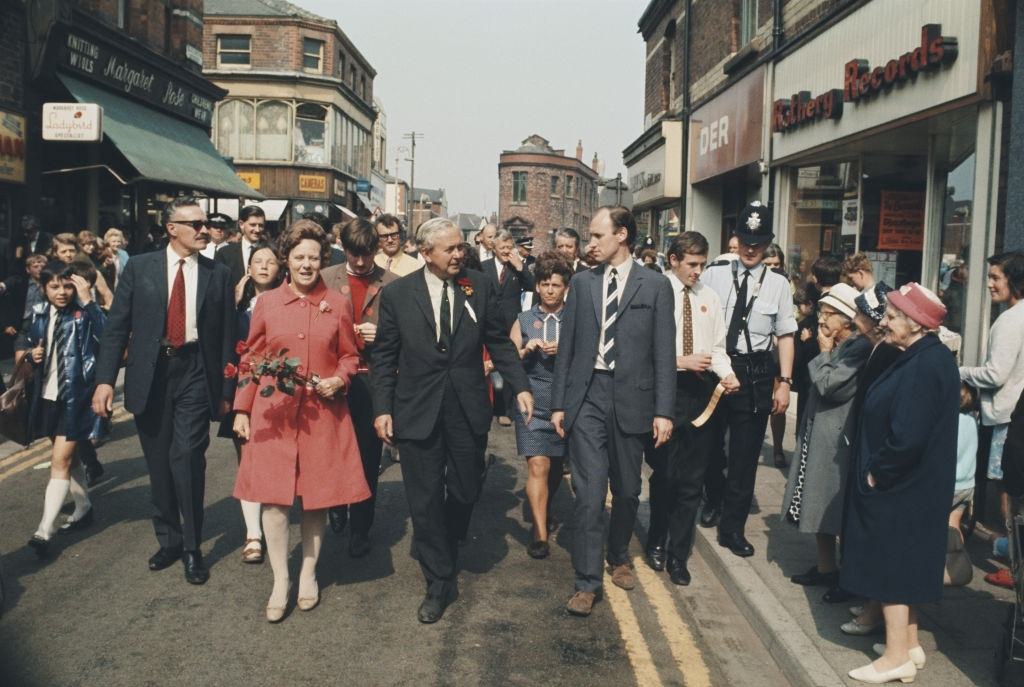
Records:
x=772, y=313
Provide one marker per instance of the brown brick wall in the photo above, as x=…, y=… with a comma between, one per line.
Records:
x=656, y=99
x=547, y=211
x=277, y=46
x=163, y=26
x=810, y=11
x=12, y=55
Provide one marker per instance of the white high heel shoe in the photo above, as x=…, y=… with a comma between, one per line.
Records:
x=916, y=654
x=904, y=673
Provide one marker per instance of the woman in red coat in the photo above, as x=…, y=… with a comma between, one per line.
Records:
x=303, y=444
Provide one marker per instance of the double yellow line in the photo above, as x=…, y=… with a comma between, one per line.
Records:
x=39, y=451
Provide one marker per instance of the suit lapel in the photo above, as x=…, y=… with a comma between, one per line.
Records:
x=596, y=288
x=423, y=300
x=372, y=289
x=201, y=283
x=160, y=275
x=633, y=282
x=459, y=305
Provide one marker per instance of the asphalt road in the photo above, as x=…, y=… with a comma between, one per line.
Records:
x=93, y=614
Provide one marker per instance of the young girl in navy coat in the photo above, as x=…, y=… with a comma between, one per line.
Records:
x=60, y=337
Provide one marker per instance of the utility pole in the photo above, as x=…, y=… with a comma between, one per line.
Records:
x=412, y=178
x=618, y=188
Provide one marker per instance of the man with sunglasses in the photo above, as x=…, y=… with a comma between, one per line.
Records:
x=177, y=310
x=391, y=257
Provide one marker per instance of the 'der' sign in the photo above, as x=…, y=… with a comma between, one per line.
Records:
x=714, y=135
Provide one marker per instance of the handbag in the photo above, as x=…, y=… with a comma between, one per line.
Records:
x=14, y=404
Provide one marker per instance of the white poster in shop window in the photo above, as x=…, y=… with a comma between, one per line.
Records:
x=851, y=217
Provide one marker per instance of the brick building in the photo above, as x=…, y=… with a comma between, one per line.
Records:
x=541, y=189
x=140, y=61
x=868, y=125
x=427, y=203
x=299, y=117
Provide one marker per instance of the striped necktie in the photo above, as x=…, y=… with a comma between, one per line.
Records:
x=57, y=351
x=611, y=308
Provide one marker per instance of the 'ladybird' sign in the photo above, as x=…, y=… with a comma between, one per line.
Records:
x=72, y=122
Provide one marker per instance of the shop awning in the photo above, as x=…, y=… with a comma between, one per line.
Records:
x=161, y=148
x=273, y=209
x=365, y=200
x=345, y=210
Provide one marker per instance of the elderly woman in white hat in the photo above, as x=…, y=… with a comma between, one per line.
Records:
x=894, y=536
x=816, y=487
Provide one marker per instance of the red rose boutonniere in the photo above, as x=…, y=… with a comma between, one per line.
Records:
x=466, y=285
x=323, y=307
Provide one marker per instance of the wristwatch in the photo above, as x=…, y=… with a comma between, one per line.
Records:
x=785, y=380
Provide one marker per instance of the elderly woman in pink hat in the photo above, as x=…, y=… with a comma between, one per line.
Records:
x=894, y=534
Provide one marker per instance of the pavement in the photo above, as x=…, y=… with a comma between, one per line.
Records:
x=92, y=614
x=961, y=635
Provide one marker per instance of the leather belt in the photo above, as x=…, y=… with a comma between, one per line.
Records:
x=175, y=352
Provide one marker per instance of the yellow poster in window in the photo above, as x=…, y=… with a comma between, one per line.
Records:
x=12, y=147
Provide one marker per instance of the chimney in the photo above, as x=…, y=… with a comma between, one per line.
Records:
x=579, y=150
x=595, y=163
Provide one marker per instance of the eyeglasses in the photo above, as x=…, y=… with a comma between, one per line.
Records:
x=196, y=224
x=390, y=236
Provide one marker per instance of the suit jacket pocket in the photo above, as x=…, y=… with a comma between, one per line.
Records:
x=640, y=306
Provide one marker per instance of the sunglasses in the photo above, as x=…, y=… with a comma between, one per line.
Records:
x=196, y=224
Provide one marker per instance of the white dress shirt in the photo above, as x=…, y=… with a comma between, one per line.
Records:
x=246, y=248
x=212, y=248
x=485, y=253
x=772, y=314
x=51, y=385
x=434, y=288
x=709, y=328
x=622, y=274
x=191, y=269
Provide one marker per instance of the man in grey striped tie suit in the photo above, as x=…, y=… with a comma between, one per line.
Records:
x=613, y=387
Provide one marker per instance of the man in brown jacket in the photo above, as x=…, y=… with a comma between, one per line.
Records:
x=361, y=281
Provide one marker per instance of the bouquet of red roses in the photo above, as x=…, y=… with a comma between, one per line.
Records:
x=283, y=371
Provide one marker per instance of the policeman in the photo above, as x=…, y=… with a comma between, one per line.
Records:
x=758, y=306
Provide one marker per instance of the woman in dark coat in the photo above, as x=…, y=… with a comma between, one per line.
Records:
x=895, y=531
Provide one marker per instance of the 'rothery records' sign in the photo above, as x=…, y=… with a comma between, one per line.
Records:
x=72, y=122
x=860, y=81
x=132, y=77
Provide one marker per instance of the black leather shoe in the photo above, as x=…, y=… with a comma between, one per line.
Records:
x=538, y=549
x=165, y=558
x=358, y=545
x=677, y=571
x=80, y=524
x=836, y=595
x=338, y=518
x=195, y=571
x=710, y=515
x=433, y=606
x=93, y=474
x=656, y=557
x=813, y=578
x=39, y=545
x=737, y=543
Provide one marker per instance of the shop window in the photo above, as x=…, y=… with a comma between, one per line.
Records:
x=312, y=55
x=234, y=51
x=554, y=185
x=748, y=21
x=893, y=190
x=273, y=128
x=519, y=187
x=311, y=134
x=234, y=129
x=957, y=211
x=823, y=215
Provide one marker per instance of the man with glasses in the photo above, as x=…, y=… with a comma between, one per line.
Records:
x=391, y=257
x=177, y=309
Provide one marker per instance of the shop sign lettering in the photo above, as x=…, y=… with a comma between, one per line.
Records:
x=250, y=178
x=861, y=81
x=310, y=183
x=126, y=74
x=644, y=180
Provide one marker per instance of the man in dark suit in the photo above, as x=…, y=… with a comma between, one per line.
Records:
x=251, y=223
x=430, y=396
x=567, y=243
x=177, y=310
x=614, y=385
x=361, y=281
x=510, y=279
x=32, y=241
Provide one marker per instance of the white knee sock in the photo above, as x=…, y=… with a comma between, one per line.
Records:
x=56, y=492
x=80, y=493
x=251, y=515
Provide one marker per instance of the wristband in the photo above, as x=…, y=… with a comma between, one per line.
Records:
x=785, y=380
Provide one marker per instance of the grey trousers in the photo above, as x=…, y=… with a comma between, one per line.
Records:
x=600, y=452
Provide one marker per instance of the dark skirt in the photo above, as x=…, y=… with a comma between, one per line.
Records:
x=49, y=420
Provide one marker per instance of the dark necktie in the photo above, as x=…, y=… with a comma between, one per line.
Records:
x=502, y=272
x=57, y=351
x=739, y=311
x=175, y=325
x=687, y=322
x=611, y=308
x=446, y=315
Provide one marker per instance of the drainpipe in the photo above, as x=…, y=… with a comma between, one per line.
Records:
x=685, y=116
x=776, y=25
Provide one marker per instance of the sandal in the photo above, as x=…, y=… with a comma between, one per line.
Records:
x=252, y=552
